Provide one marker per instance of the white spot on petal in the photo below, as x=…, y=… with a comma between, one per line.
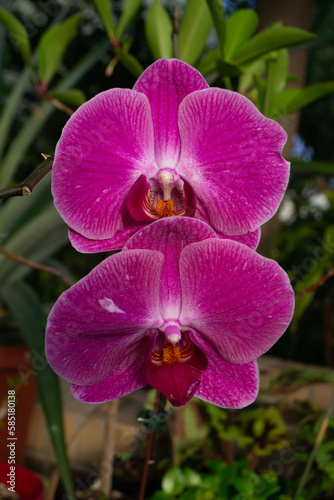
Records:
x=110, y=306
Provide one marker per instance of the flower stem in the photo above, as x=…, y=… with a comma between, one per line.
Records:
x=26, y=187
x=318, y=441
x=159, y=407
x=316, y=285
x=109, y=449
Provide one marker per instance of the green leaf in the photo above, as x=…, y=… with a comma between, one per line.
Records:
x=130, y=10
x=158, y=30
x=18, y=33
x=309, y=94
x=103, y=7
x=273, y=38
x=303, y=302
x=74, y=97
x=173, y=482
x=27, y=311
x=194, y=30
x=227, y=69
x=314, y=166
x=208, y=63
x=131, y=63
x=239, y=27
x=276, y=78
x=280, y=105
x=53, y=44
x=218, y=18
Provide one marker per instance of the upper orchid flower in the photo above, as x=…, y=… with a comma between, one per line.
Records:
x=179, y=308
x=170, y=146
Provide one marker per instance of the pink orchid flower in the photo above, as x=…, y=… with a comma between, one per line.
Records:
x=179, y=309
x=171, y=146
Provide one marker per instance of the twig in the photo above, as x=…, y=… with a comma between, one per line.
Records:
x=176, y=29
x=35, y=265
x=318, y=441
x=109, y=449
x=159, y=407
x=58, y=104
x=26, y=187
x=316, y=285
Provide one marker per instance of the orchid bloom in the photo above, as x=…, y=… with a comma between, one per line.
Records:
x=170, y=146
x=178, y=308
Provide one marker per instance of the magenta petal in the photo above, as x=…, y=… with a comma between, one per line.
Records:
x=136, y=199
x=225, y=384
x=87, y=245
x=94, y=323
x=231, y=156
x=104, y=147
x=176, y=382
x=127, y=377
x=165, y=83
x=169, y=236
x=237, y=300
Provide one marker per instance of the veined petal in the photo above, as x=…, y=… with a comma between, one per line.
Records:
x=87, y=245
x=251, y=239
x=225, y=384
x=165, y=83
x=104, y=147
x=231, y=156
x=169, y=236
x=92, y=324
x=237, y=300
x=127, y=377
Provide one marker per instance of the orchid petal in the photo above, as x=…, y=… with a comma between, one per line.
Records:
x=169, y=236
x=225, y=384
x=237, y=300
x=94, y=322
x=166, y=83
x=105, y=146
x=251, y=239
x=231, y=156
x=127, y=377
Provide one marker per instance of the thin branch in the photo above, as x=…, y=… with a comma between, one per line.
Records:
x=176, y=29
x=316, y=285
x=318, y=441
x=159, y=407
x=58, y=104
x=35, y=265
x=106, y=473
x=26, y=187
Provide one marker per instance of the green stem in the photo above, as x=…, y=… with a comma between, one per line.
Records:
x=266, y=102
x=26, y=187
x=320, y=436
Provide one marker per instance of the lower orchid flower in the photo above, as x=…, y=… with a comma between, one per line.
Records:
x=179, y=309
x=171, y=146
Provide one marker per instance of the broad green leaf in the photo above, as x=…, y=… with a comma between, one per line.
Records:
x=239, y=27
x=194, y=30
x=208, y=63
x=53, y=44
x=130, y=9
x=218, y=18
x=173, y=482
x=314, y=166
x=276, y=78
x=273, y=38
x=103, y=7
x=36, y=121
x=158, y=30
x=131, y=63
x=27, y=311
x=74, y=97
x=309, y=94
x=227, y=69
x=260, y=85
x=246, y=81
x=18, y=33
x=280, y=105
